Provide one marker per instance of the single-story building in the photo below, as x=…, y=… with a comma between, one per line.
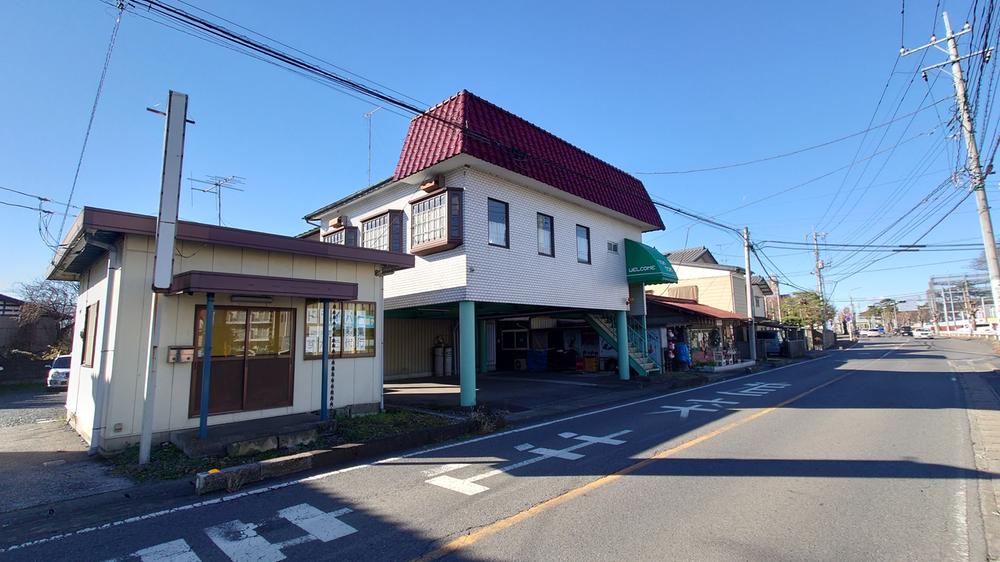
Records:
x=266, y=293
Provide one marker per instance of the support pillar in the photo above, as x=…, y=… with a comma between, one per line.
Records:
x=467, y=352
x=206, y=366
x=483, y=364
x=621, y=329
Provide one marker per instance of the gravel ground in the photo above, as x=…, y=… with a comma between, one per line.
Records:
x=20, y=406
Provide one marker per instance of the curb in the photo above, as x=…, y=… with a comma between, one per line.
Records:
x=232, y=478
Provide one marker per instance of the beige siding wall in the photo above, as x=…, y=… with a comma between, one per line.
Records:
x=355, y=380
x=716, y=292
x=81, y=390
x=409, y=343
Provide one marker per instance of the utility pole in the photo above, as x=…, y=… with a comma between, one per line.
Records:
x=974, y=165
x=949, y=310
x=970, y=307
x=163, y=260
x=819, y=276
x=854, y=319
x=751, y=327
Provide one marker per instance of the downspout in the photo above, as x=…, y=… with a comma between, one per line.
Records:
x=103, y=373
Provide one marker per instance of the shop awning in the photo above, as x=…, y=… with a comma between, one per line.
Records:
x=643, y=264
x=261, y=285
x=694, y=307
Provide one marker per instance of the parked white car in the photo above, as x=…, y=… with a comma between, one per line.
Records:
x=58, y=378
x=923, y=334
x=871, y=333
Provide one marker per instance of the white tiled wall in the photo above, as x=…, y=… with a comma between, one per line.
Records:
x=518, y=274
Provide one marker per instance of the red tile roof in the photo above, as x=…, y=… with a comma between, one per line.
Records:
x=693, y=306
x=495, y=135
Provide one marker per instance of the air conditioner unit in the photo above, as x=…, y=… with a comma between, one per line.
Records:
x=520, y=364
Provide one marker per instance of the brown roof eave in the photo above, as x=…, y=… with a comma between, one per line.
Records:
x=93, y=220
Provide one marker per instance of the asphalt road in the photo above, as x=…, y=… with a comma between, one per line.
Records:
x=862, y=455
x=19, y=406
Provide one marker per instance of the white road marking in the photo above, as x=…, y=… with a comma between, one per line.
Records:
x=324, y=526
x=324, y=475
x=173, y=551
x=449, y=467
x=241, y=543
x=713, y=401
x=601, y=440
x=684, y=410
x=567, y=434
x=524, y=446
x=457, y=485
x=469, y=487
x=557, y=453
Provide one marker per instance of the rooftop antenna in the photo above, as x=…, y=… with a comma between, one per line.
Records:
x=216, y=185
x=368, y=117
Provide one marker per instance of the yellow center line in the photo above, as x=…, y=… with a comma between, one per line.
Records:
x=493, y=528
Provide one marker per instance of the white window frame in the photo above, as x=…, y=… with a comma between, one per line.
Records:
x=375, y=233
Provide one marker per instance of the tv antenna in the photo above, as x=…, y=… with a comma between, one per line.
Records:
x=216, y=185
x=368, y=117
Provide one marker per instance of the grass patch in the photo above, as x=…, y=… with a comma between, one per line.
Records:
x=385, y=424
x=168, y=462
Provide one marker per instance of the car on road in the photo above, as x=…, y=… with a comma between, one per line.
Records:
x=905, y=331
x=923, y=334
x=58, y=378
x=871, y=333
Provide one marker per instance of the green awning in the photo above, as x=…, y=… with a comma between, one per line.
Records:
x=643, y=264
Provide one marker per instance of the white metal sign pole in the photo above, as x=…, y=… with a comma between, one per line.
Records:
x=163, y=260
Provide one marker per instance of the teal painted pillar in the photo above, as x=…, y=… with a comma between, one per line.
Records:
x=467, y=352
x=482, y=347
x=621, y=328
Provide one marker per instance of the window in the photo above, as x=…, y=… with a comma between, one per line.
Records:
x=612, y=247
x=499, y=235
x=336, y=237
x=352, y=329
x=514, y=340
x=375, y=233
x=436, y=221
x=252, y=364
x=546, y=236
x=429, y=222
x=89, y=335
x=582, y=244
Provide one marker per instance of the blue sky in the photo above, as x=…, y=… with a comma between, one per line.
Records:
x=654, y=86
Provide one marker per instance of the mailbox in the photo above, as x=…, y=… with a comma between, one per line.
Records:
x=180, y=354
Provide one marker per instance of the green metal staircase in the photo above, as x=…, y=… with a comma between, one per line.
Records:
x=638, y=359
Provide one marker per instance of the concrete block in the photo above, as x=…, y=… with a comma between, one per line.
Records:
x=282, y=466
x=294, y=439
x=251, y=446
x=229, y=479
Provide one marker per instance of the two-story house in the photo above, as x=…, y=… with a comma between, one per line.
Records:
x=528, y=249
x=701, y=277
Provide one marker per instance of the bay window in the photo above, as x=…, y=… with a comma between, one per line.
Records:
x=436, y=221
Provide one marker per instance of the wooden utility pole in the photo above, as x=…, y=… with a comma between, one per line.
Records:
x=751, y=327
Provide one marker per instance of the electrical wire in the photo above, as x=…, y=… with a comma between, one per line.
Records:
x=93, y=113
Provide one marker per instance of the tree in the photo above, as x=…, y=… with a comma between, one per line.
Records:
x=47, y=299
x=46, y=317
x=805, y=308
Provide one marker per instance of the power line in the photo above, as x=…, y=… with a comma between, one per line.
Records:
x=93, y=112
x=793, y=152
x=18, y=205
